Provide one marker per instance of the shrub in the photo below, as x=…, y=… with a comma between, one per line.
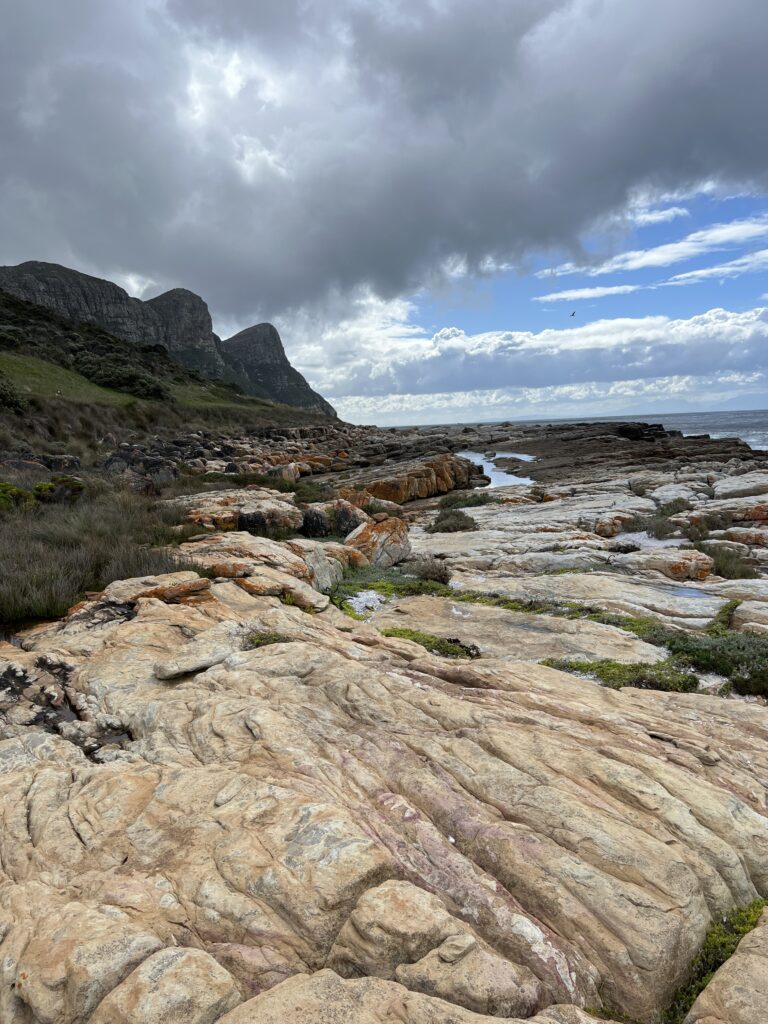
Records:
x=719, y=945
x=10, y=397
x=663, y=675
x=468, y=499
x=452, y=521
x=430, y=568
x=657, y=524
x=372, y=508
x=13, y=498
x=728, y=563
x=445, y=647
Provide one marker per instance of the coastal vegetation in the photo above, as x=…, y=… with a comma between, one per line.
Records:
x=719, y=945
x=452, y=520
x=445, y=647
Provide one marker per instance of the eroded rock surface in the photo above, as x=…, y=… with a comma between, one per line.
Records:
x=223, y=800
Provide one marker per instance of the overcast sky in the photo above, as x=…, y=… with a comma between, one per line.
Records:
x=419, y=193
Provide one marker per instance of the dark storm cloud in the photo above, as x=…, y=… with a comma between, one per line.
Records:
x=266, y=153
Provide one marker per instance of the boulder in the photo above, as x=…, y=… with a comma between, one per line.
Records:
x=173, y=986
x=383, y=544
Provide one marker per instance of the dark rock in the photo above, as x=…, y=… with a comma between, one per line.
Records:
x=178, y=321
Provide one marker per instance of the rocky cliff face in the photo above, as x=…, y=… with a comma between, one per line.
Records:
x=179, y=320
x=256, y=361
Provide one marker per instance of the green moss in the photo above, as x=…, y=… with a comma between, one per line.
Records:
x=719, y=945
x=263, y=639
x=446, y=648
x=663, y=675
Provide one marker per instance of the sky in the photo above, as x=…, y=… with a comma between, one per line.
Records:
x=453, y=210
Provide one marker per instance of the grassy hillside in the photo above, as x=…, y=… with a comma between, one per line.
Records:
x=72, y=383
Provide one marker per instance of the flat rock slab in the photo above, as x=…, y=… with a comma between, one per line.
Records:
x=517, y=636
x=687, y=606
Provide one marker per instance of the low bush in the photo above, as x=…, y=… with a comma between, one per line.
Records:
x=657, y=524
x=663, y=675
x=430, y=568
x=719, y=945
x=452, y=521
x=468, y=499
x=10, y=397
x=728, y=563
x=445, y=647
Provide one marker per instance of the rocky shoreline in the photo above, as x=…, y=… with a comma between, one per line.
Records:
x=232, y=796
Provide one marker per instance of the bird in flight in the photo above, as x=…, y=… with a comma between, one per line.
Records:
x=573, y=313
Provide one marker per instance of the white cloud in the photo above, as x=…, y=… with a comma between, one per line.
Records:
x=588, y=293
x=644, y=217
x=714, y=238
x=594, y=398
x=749, y=264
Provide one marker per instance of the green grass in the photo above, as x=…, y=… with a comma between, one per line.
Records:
x=33, y=376
x=663, y=675
x=446, y=648
x=52, y=554
x=719, y=945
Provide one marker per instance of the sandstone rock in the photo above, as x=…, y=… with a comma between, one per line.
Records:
x=332, y=517
x=252, y=509
x=748, y=485
x=325, y=998
x=674, y=563
x=172, y=986
x=383, y=544
x=738, y=991
x=517, y=636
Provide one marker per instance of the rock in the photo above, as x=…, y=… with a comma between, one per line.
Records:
x=689, y=607
x=256, y=360
x=516, y=636
x=178, y=320
x=741, y=486
x=415, y=480
x=383, y=544
x=172, y=986
x=249, y=508
x=674, y=563
x=338, y=517
x=324, y=997
x=738, y=991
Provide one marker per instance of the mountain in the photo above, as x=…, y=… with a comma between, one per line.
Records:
x=178, y=320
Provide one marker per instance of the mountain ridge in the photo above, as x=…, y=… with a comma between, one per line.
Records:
x=179, y=320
